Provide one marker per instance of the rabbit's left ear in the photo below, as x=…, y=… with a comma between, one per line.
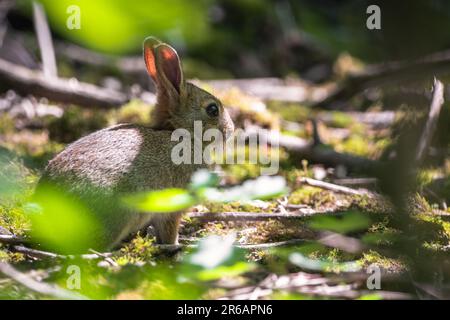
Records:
x=168, y=66
x=150, y=44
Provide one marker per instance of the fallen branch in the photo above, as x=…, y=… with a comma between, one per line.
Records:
x=256, y=216
x=333, y=187
x=258, y=246
x=356, y=181
x=38, y=254
x=39, y=287
x=381, y=119
x=33, y=82
x=131, y=64
x=274, y=89
x=44, y=40
x=12, y=239
x=430, y=127
x=387, y=74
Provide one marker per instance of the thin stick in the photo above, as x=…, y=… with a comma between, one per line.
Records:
x=40, y=287
x=106, y=257
x=430, y=127
x=39, y=254
x=258, y=246
x=45, y=40
x=332, y=187
x=255, y=216
x=12, y=239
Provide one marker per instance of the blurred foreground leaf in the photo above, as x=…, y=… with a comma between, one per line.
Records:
x=262, y=188
x=168, y=200
x=350, y=222
x=215, y=258
x=62, y=223
x=171, y=200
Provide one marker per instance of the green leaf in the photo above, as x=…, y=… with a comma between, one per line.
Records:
x=349, y=222
x=168, y=200
x=61, y=222
x=215, y=257
x=213, y=251
x=225, y=271
x=262, y=188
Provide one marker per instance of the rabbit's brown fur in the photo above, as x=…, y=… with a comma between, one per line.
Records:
x=128, y=158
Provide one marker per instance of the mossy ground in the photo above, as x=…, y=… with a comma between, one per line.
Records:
x=138, y=271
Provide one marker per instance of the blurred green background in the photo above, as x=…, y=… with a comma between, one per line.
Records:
x=258, y=37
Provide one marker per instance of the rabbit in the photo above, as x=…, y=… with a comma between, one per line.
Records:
x=127, y=158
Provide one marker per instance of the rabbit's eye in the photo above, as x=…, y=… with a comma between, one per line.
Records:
x=212, y=110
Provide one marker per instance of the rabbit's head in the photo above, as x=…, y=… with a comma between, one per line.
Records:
x=180, y=103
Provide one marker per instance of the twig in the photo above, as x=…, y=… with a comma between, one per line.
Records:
x=40, y=287
x=39, y=254
x=45, y=41
x=255, y=216
x=27, y=81
x=377, y=119
x=435, y=108
x=132, y=64
x=12, y=239
x=333, y=187
x=355, y=181
x=106, y=257
x=259, y=246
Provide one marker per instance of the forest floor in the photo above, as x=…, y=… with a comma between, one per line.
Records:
x=336, y=247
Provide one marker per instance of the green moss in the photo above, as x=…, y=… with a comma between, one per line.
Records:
x=134, y=111
x=389, y=264
x=139, y=249
x=14, y=219
x=238, y=207
x=340, y=120
x=425, y=177
x=12, y=257
x=312, y=196
x=291, y=111
x=370, y=204
x=6, y=123
x=356, y=145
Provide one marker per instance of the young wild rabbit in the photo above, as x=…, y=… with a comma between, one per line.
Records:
x=97, y=169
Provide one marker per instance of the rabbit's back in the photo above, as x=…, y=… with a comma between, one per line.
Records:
x=123, y=158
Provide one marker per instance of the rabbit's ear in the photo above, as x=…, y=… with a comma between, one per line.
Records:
x=168, y=67
x=150, y=44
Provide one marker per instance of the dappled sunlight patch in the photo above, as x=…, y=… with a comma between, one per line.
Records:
x=312, y=196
